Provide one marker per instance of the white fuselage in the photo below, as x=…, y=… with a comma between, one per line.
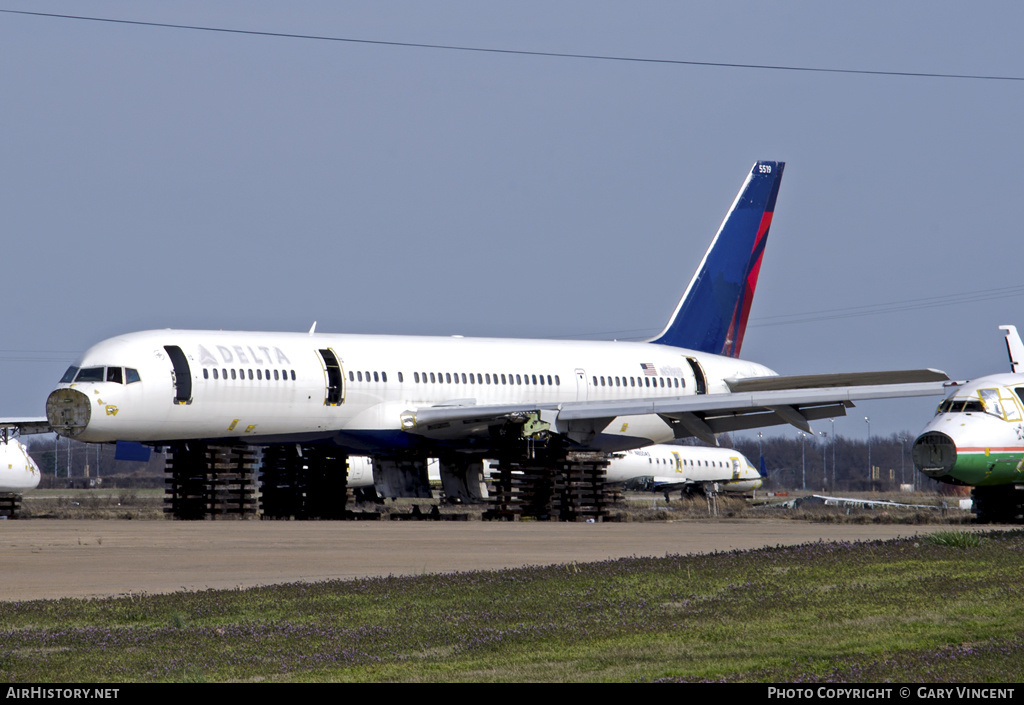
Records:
x=977, y=434
x=697, y=465
x=280, y=387
x=18, y=472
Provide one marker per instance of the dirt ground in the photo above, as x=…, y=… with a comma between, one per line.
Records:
x=75, y=558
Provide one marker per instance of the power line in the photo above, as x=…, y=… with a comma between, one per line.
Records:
x=845, y=312
x=522, y=52
x=890, y=307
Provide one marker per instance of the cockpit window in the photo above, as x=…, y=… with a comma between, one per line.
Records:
x=90, y=374
x=990, y=401
x=131, y=375
x=69, y=376
x=1000, y=403
x=957, y=406
x=114, y=375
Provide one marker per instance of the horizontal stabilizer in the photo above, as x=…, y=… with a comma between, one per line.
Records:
x=26, y=426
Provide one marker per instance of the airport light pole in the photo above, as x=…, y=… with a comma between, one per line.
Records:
x=833, y=422
x=824, y=464
x=868, y=421
x=903, y=458
x=803, y=463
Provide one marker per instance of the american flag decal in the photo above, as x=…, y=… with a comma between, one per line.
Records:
x=648, y=369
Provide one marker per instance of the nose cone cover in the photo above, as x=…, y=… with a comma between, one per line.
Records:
x=68, y=412
x=934, y=454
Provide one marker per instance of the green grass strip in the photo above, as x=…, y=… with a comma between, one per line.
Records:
x=943, y=608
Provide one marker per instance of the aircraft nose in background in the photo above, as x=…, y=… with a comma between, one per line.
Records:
x=934, y=454
x=68, y=412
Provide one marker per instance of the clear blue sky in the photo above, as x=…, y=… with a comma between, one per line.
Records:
x=166, y=178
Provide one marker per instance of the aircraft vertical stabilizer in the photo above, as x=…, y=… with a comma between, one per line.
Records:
x=712, y=315
x=1014, y=348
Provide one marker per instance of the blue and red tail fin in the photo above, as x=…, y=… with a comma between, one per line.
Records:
x=712, y=315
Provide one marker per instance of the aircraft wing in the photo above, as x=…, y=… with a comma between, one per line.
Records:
x=754, y=403
x=654, y=483
x=868, y=503
x=26, y=426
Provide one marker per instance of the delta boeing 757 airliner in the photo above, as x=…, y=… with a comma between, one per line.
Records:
x=402, y=399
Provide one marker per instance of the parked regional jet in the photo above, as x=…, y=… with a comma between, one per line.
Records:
x=670, y=468
x=977, y=438
x=18, y=472
x=402, y=399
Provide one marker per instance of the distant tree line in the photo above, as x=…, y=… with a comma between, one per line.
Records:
x=798, y=462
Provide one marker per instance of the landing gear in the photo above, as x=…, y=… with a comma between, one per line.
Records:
x=1003, y=504
x=206, y=481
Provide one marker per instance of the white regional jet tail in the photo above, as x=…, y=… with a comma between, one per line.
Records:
x=1014, y=348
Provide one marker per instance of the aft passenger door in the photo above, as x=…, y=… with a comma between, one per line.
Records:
x=700, y=383
x=582, y=388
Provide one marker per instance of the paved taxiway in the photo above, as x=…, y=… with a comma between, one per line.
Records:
x=51, y=559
